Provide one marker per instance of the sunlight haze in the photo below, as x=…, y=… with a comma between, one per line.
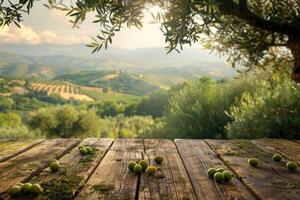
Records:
x=52, y=26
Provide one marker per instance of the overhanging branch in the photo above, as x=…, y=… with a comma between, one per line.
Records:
x=241, y=11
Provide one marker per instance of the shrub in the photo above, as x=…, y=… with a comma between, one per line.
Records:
x=88, y=123
x=65, y=121
x=157, y=129
x=272, y=111
x=10, y=120
x=154, y=104
x=124, y=127
x=198, y=109
x=20, y=132
x=107, y=108
x=6, y=104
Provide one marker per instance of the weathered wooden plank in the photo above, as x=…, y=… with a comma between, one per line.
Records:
x=24, y=166
x=171, y=181
x=289, y=149
x=198, y=157
x=12, y=148
x=269, y=180
x=75, y=168
x=112, y=179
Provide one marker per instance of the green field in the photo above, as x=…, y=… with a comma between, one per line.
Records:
x=112, y=96
x=120, y=82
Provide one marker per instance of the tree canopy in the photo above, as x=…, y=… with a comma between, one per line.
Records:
x=248, y=31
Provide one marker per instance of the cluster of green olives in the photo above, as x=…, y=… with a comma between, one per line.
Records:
x=84, y=150
x=142, y=166
x=291, y=165
x=26, y=189
x=54, y=165
x=219, y=174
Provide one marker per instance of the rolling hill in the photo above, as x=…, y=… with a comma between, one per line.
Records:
x=111, y=80
x=142, y=70
x=74, y=58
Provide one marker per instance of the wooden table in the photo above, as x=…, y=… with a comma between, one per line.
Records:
x=182, y=175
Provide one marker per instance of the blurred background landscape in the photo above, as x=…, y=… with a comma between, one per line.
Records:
x=51, y=90
x=51, y=85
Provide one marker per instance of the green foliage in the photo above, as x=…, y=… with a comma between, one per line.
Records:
x=157, y=129
x=272, y=111
x=107, y=108
x=124, y=83
x=111, y=96
x=197, y=110
x=43, y=97
x=66, y=118
x=124, y=127
x=20, y=132
x=12, y=12
x=30, y=101
x=68, y=121
x=6, y=104
x=130, y=110
x=121, y=82
x=27, y=102
x=64, y=121
x=88, y=123
x=153, y=105
x=10, y=120
x=84, y=77
x=5, y=84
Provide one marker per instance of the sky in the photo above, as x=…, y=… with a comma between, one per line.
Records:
x=51, y=26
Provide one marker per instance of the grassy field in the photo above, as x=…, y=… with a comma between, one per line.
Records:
x=111, y=96
x=163, y=81
x=119, y=82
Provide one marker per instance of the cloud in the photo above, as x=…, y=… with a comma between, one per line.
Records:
x=19, y=35
x=49, y=36
x=27, y=35
x=52, y=26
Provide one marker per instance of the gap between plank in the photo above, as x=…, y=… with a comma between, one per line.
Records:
x=277, y=150
x=185, y=168
x=138, y=183
x=45, y=165
x=94, y=169
x=234, y=171
x=6, y=158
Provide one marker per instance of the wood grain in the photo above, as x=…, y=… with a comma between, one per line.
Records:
x=182, y=175
x=171, y=181
x=24, y=166
x=112, y=179
x=12, y=148
x=198, y=157
x=270, y=181
x=75, y=166
x=289, y=149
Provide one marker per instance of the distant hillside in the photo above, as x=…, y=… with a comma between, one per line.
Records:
x=17, y=65
x=19, y=70
x=150, y=55
x=143, y=70
x=79, y=57
x=84, y=77
x=115, y=81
